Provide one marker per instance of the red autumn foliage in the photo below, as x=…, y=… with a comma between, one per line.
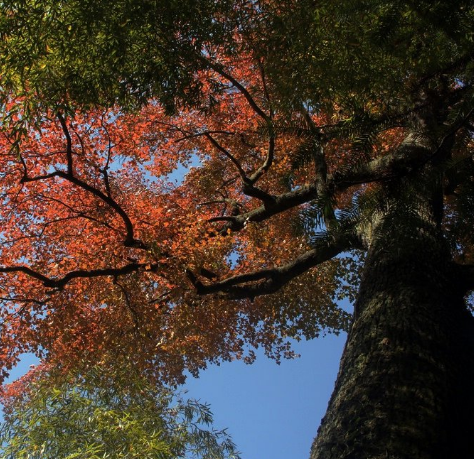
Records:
x=106, y=251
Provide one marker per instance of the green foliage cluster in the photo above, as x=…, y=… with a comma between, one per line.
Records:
x=355, y=53
x=92, y=416
x=102, y=53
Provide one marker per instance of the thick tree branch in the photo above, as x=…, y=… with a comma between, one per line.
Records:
x=267, y=281
x=456, y=64
x=415, y=151
x=59, y=283
x=401, y=162
x=383, y=169
x=279, y=204
x=412, y=154
x=255, y=192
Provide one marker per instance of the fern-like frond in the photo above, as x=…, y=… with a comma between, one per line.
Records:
x=306, y=153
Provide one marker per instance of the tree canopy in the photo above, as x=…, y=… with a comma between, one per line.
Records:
x=309, y=131
x=105, y=176
x=100, y=53
x=101, y=251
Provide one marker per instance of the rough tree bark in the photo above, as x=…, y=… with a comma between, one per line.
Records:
x=404, y=388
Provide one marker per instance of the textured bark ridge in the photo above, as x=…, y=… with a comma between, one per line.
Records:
x=404, y=388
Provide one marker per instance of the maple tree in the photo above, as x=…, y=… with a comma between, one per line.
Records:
x=326, y=156
x=90, y=415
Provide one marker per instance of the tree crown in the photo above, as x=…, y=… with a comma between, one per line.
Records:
x=102, y=254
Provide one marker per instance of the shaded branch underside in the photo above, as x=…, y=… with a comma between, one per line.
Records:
x=266, y=281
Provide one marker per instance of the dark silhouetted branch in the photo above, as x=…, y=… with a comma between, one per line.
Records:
x=267, y=281
x=59, y=283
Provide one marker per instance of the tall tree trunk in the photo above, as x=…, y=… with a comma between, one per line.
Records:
x=405, y=387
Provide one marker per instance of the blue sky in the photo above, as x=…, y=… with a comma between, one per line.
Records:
x=273, y=411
